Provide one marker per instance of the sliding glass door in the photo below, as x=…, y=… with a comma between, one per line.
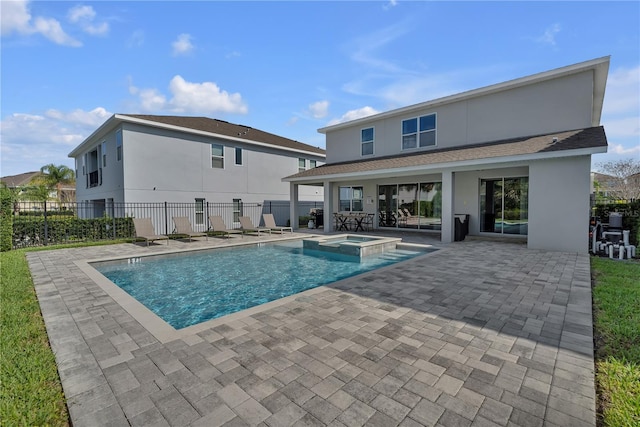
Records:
x=504, y=205
x=414, y=205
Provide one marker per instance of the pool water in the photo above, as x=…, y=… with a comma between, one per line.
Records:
x=188, y=289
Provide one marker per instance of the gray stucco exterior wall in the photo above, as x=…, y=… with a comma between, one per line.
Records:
x=559, y=204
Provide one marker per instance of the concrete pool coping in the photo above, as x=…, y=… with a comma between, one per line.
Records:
x=163, y=331
x=485, y=333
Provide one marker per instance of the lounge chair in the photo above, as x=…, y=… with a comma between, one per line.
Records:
x=183, y=226
x=218, y=227
x=270, y=223
x=247, y=226
x=144, y=230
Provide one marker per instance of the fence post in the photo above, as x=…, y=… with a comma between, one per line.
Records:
x=166, y=219
x=46, y=225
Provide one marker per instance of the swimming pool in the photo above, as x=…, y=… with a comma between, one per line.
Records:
x=187, y=289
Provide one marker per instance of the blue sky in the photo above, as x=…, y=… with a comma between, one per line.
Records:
x=288, y=67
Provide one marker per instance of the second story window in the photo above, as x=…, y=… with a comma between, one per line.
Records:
x=312, y=164
x=104, y=154
x=366, y=139
x=419, y=132
x=119, y=144
x=238, y=156
x=302, y=164
x=217, y=156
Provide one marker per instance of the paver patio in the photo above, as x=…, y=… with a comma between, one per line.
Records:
x=478, y=333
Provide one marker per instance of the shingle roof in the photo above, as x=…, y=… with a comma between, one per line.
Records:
x=14, y=181
x=222, y=127
x=569, y=140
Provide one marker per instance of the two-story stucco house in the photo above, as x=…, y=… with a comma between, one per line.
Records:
x=514, y=156
x=135, y=158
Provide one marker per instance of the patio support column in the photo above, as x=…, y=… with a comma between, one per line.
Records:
x=447, y=231
x=328, y=206
x=293, y=206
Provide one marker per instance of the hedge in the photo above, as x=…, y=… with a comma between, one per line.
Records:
x=6, y=219
x=61, y=228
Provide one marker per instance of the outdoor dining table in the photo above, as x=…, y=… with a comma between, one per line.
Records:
x=345, y=221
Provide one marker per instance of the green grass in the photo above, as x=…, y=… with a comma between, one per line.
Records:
x=616, y=298
x=30, y=389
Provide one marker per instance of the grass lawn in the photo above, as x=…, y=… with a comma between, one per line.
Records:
x=616, y=298
x=30, y=389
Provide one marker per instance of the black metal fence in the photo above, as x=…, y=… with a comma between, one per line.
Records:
x=47, y=223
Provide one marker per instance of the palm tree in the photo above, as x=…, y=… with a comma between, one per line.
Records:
x=56, y=176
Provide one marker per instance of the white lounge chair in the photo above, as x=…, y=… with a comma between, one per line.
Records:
x=219, y=227
x=144, y=230
x=270, y=223
x=183, y=226
x=247, y=226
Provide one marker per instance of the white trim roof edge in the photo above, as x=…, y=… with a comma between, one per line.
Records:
x=453, y=165
x=119, y=118
x=599, y=65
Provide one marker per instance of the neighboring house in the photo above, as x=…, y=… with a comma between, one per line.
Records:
x=24, y=180
x=514, y=156
x=607, y=188
x=135, y=158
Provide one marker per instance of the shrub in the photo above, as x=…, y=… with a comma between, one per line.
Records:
x=6, y=219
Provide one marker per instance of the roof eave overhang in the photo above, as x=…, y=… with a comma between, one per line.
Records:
x=116, y=119
x=438, y=167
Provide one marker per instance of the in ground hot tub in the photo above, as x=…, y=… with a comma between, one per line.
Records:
x=354, y=245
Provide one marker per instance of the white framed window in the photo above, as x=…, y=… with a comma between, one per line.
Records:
x=104, y=154
x=119, y=145
x=199, y=211
x=238, y=156
x=366, y=141
x=312, y=164
x=351, y=199
x=302, y=164
x=419, y=132
x=237, y=210
x=217, y=156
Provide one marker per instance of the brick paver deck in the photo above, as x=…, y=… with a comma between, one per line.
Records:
x=476, y=334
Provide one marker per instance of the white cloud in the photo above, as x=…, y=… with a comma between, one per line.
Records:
x=84, y=16
x=353, y=115
x=319, y=109
x=549, y=35
x=136, y=39
x=622, y=94
x=364, y=48
x=390, y=4
x=621, y=149
x=30, y=141
x=17, y=18
x=621, y=112
x=188, y=97
x=622, y=127
x=182, y=45
x=92, y=118
x=51, y=29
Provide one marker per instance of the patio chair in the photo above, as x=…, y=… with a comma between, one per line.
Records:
x=270, y=223
x=219, y=227
x=144, y=230
x=247, y=226
x=183, y=226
